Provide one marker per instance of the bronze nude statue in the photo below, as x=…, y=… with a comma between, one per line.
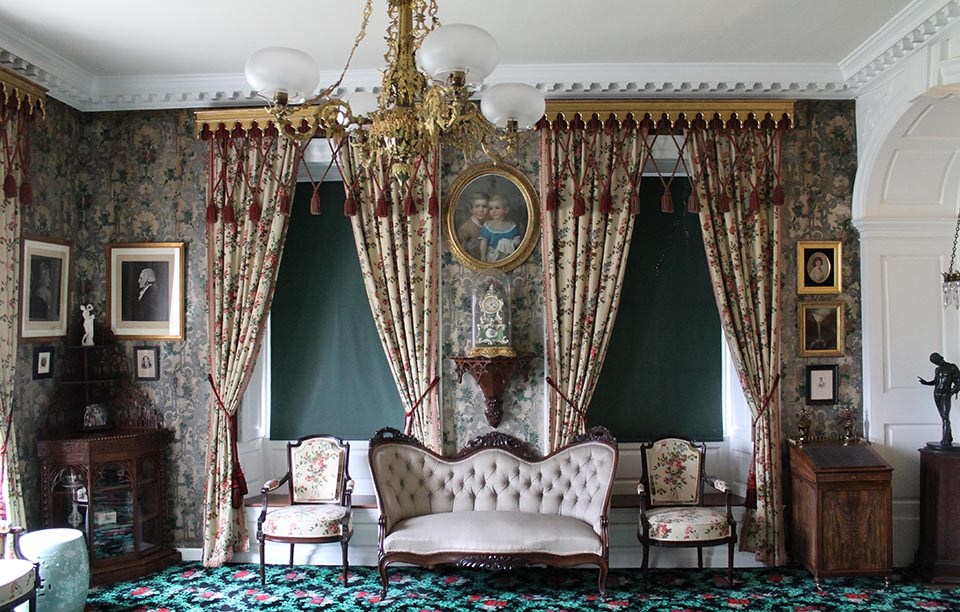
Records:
x=945, y=383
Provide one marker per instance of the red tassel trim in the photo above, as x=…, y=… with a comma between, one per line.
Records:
x=433, y=208
x=606, y=201
x=255, y=212
x=409, y=208
x=552, y=198
x=26, y=193
x=9, y=186
x=634, y=201
x=579, y=206
x=693, y=202
x=284, y=202
x=381, y=205
x=211, y=213
x=315, y=203
x=228, y=216
x=724, y=202
x=778, y=195
x=350, y=205
x=754, y=200
x=666, y=201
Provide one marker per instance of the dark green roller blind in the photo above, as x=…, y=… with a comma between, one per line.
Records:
x=662, y=375
x=328, y=373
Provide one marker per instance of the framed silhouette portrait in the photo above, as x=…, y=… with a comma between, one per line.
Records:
x=145, y=290
x=146, y=363
x=492, y=218
x=821, y=329
x=45, y=267
x=819, y=267
x=822, y=384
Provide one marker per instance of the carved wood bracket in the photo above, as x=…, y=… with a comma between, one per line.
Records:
x=493, y=374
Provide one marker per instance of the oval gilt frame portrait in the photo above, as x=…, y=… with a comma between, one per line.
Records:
x=492, y=218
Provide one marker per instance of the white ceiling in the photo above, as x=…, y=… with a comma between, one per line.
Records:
x=106, y=54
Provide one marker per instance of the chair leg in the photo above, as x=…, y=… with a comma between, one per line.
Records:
x=263, y=579
x=700, y=557
x=291, y=555
x=382, y=565
x=346, y=564
x=643, y=567
x=730, y=550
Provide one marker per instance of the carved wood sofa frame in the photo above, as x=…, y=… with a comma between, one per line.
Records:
x=597, y=446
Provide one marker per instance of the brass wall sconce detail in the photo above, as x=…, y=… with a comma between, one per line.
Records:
x=493, y=374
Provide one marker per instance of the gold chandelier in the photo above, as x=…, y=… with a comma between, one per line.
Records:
x=415, y=110
x=951, y=278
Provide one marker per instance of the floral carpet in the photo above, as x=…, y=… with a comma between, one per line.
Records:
x=190, y=586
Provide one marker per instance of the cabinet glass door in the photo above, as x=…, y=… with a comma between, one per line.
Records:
x=111, y=513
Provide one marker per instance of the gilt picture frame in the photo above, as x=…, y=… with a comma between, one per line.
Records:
x=822, y=384
x=821, y=329
x=145, y=290
x=492, y=218
x=45, y=273
x=819, y=269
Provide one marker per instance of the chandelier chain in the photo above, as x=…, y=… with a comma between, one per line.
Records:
x=953, y=254
x=367, y=12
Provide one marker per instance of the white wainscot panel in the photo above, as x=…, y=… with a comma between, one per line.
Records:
x=917, y=176
x=912, y=327
x=902, y=442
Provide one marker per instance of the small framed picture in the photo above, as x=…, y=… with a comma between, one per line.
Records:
x=146, y=362
x=96, y=417
x=492, y=218
x=145, y=289
x=822, y=384
x=821, y=329
x=44, y=287
x=818, y=266
x=43, y=361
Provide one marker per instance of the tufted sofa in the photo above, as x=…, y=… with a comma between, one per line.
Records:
x=495, y=504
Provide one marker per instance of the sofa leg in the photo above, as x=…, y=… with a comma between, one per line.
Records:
x=700, y=557
x=603, y=581
x=382, y=565
x=291, y=555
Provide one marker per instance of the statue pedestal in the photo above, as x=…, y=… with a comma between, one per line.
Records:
x=938, y=554
x=953, y=448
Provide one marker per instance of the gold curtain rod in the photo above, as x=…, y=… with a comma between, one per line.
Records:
x=23, y=90
x=245, y=118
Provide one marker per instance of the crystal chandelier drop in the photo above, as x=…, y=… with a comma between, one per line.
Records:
x=416, y=110
x=951, y=278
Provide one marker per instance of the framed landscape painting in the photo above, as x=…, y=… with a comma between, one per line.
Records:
x=821, y=329
x=145, y=290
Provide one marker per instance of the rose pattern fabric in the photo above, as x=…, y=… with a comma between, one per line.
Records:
x=243, y=257
x=316, y=470
x=687, y=524
x=306, y=521
x=17, y=577
x=674, y=472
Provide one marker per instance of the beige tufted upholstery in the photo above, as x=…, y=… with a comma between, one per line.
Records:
x=573, y=483
x=493, y=504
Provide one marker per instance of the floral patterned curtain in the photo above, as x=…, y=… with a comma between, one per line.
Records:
x=397, y=231
x=590, y=177
x=19, y=106
x=736, y=177
x=252, y=176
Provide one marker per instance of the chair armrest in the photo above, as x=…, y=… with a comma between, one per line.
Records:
x=348, y=494
x=718, y=484
x=642, y=492
x=16, y=532
x=270, y=485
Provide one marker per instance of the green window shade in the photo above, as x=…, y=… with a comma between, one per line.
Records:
x=662, y=374
x=328, y=373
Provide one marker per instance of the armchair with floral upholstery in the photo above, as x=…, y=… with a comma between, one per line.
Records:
x=671, y=502
x=19, y=577
x=320, y=491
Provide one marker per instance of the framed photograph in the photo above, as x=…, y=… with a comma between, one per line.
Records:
x=43, y=361
x=44, y=287
x=818, y=266
x=821, y=329
x=492, y=218
x=822, y=384
x=145, y=290
x=146, y=362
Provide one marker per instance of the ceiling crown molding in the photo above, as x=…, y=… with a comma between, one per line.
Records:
x=917, y=25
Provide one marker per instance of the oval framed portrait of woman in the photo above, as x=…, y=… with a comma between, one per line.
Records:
x=492, y=218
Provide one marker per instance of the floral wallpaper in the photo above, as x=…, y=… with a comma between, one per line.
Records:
x=141, y=176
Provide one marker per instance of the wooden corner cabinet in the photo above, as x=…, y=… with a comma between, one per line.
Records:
x=110, y=485
x=841, y=510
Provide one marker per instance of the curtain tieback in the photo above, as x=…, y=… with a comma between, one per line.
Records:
x=408, y=414
x=238, y=482
x=750, y=500
x=766, y=400
x=581, y=414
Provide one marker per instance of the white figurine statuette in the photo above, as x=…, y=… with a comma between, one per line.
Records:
x=87, y=311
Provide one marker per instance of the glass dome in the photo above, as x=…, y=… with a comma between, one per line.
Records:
x=491, y=330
